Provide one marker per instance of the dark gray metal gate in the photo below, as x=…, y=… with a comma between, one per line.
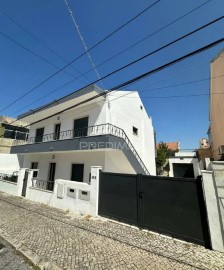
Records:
x=172, y=206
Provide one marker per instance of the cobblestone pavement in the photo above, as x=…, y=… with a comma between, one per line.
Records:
x=75, y=242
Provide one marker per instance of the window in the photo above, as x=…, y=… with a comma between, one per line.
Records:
x=34, y=165
x=135, y=131
x=57, y=129
x=39, y=135
x=81, y=127
x=77, y=172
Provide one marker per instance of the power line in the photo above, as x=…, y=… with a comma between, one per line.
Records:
x=151, y=53
x=71, y=62
x=150, y=35
x=142, y=76
x=37, y=38
x=83, y=41
x=181, y=96
x=180, y=84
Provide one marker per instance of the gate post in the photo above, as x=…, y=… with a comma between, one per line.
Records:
x=139, y=195
x=94, y=190
x=213, y=211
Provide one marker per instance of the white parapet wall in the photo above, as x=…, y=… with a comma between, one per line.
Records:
x=214, y=199
x=13, y=188
x=77, y=197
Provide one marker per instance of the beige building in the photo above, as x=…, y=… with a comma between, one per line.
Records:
x=11, y=129
x=216, y=114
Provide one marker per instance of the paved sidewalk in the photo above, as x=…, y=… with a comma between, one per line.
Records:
x=73, y=242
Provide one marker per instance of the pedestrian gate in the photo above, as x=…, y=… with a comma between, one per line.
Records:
x=172, y=206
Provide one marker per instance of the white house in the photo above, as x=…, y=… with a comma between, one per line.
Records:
x=67, y=136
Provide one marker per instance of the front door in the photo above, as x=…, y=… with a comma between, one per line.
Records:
x=77, y=172
x=25, y=183
x=50, y=184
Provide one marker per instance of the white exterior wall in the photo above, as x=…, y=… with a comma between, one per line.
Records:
x=13, y=188
x=95, y=112
x=64, y=161
x=10, y=163
x=186, y=160
x=126, y=113
x=62, y=199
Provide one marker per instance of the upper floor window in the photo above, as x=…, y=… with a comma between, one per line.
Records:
x=39, y=135
x=81, y=127
x=135, y=131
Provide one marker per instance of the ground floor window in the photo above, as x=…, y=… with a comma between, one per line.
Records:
x=34, y=165
x=77, y=172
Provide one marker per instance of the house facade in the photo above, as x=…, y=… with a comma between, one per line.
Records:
x=216, y=115
x=68, y=136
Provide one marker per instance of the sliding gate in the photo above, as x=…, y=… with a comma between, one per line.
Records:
x=171, y=206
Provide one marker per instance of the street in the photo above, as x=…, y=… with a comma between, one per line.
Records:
x=75, y=242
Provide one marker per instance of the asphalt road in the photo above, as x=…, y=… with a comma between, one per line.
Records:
x=9, y=260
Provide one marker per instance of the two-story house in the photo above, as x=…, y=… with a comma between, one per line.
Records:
x=69, y=135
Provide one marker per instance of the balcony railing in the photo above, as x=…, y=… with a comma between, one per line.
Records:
x=43, y=184
x=104, y=129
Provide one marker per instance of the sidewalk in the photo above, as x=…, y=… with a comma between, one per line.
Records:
x=73, y=242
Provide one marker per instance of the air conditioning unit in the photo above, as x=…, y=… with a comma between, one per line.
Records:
x=221, y=149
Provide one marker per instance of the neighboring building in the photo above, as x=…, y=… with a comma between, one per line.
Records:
x=204, y=143
x=111, y=131
x=11, y=129
x=216, y=116
x=185, y=164
x=204, y=151
x=173, y=146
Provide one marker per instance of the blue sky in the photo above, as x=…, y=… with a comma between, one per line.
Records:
x=183, y=119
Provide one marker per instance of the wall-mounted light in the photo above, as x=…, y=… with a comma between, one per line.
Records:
x=53, y=156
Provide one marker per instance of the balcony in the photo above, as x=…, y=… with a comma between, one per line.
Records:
x=105, y=136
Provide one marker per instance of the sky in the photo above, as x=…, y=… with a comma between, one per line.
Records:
x=38, y=37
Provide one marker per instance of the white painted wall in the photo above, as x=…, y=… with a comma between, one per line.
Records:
x=65, y=202
x=214, y=207
x=125, y=112
x=13, y=188
x=185, y=160
x=10, y=163
x=64, y=161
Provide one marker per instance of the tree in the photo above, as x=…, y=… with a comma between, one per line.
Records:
x=163, y=153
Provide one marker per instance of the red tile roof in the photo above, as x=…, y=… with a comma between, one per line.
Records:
x=172, y=145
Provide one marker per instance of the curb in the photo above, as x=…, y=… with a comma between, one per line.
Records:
x=35, y=261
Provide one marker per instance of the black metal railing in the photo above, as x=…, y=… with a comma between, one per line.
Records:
x=43, y=184
x=9, y=177
x=97, y=130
